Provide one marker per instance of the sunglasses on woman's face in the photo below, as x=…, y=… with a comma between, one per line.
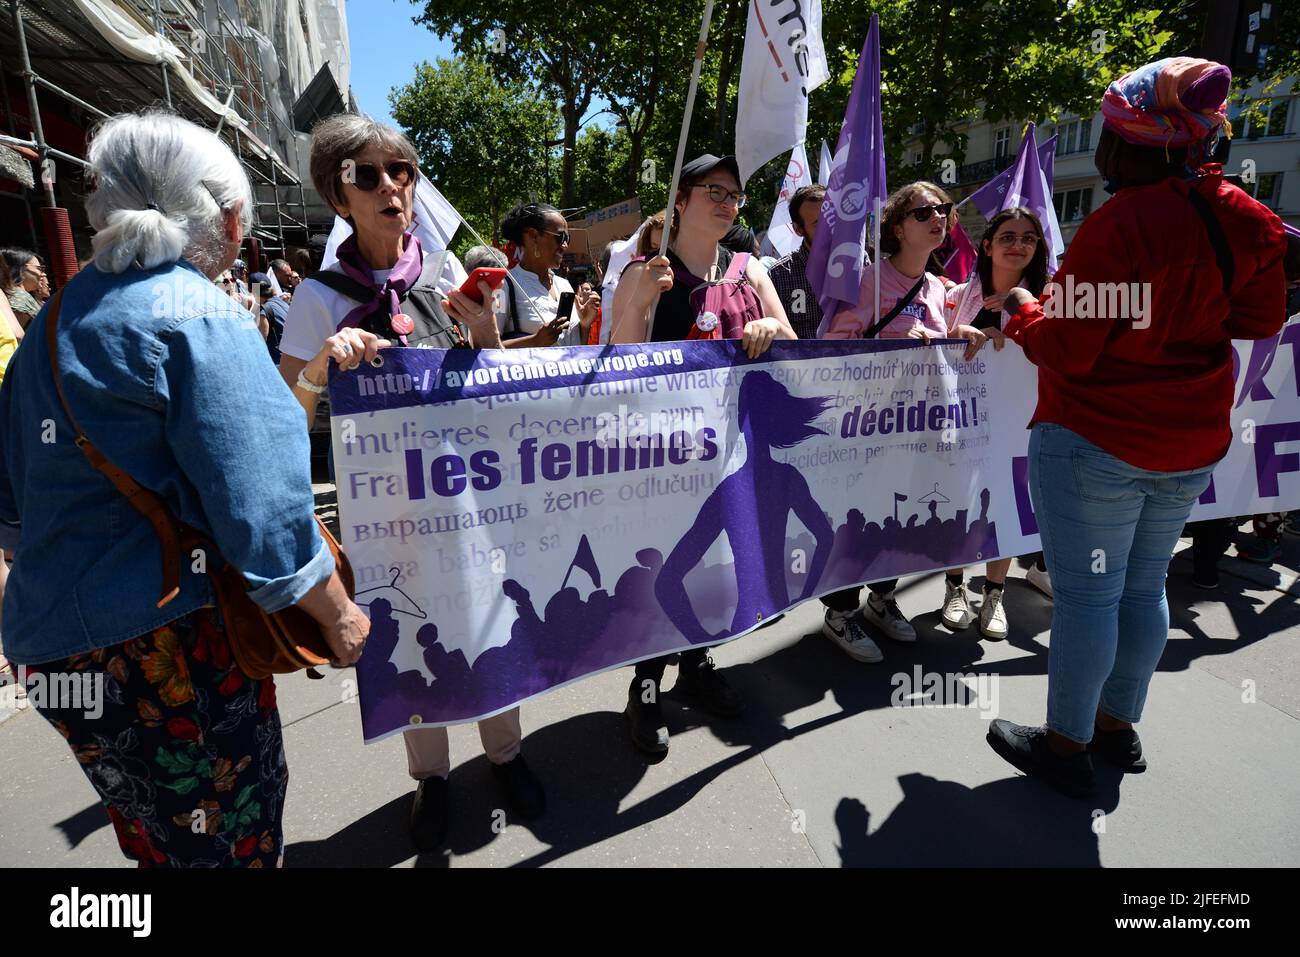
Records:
x=562, y=237
x=922, y=214
x=365, y=176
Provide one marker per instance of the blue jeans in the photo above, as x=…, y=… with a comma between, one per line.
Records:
x=1109, y=530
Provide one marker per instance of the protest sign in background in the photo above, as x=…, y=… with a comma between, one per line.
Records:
x=521, y=519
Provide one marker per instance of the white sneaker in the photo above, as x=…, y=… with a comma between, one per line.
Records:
x=957, y=614
x=845, y=630
x=1040, y=580
x=884, y=614
x=993, y=616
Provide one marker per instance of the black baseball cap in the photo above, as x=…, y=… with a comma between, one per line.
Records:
x=703, y=165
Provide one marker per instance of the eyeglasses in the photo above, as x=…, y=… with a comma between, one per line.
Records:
x=562, y=236
x=1008, y=240
x=365, y=176
x=922, y=214
x=720, y=194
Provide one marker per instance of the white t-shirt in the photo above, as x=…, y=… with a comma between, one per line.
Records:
x=317, y=310
x=531, y=287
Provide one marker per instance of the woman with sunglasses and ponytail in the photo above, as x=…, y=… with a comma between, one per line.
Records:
x=384, y=292
x=700, y=290
x=528, y=310
x=913, y=223
x=1012, y=252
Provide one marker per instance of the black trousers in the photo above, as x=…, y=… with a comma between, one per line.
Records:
x=1210, y=540
x=849, y=599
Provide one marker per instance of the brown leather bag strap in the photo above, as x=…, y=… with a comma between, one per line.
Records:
x=145, y=501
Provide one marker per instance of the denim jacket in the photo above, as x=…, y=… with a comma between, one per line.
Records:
x=171, y=379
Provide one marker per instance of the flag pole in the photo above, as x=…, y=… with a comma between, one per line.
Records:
x=875, y=248
x=671, y=206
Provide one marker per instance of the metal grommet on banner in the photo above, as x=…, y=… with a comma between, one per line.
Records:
x=377, y=361
x=417, y=719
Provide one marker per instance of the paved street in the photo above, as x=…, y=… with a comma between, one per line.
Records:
x=821, y=771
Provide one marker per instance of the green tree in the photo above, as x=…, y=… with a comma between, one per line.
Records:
x=477, y=135
x=560, y=46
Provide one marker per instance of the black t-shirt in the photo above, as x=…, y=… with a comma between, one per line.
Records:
x=988, y=319
x=675, y=313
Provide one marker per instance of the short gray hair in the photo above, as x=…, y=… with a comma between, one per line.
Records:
x=161, y=188
x=480, y=256
x=341, y=137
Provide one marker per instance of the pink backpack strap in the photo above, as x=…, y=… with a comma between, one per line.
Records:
x=738, y=264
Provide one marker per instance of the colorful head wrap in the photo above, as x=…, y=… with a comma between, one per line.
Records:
x=1177, y=101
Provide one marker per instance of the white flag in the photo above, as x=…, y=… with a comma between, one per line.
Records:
x=784, y=61
x=824, y=167
x=436, y=222
x=780, y=233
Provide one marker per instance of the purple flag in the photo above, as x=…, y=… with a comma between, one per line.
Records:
x=988, y=199
x=857, y=180
x=1026, y=184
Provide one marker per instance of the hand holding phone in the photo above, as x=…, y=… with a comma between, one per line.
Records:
x=494, y=276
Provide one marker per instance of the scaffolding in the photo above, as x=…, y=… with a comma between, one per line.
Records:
x=216, y=62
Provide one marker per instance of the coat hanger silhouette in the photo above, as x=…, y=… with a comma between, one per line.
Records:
x=935, y=496
x=397, y=573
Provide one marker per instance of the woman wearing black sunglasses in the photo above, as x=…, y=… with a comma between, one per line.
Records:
x=528, y=311
x=367, y=172
x=913, y=224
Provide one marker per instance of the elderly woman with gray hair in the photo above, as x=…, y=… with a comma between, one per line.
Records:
x=385, y=291
x=170, y=379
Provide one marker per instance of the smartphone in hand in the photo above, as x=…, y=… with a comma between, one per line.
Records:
x=493, y=276
x=565, y=308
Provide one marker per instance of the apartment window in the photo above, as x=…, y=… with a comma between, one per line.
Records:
x=1074, y=137
x=1073, y=204
x=1273, y=124
x=1267, y=188
x=1002, y=143
x=917, y=157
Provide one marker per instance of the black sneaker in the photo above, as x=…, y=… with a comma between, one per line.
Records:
x=1026, y=748
x=523, y=790
x=429, y=814
x=1205, y=578
x=705, y=688
x=645, y=719
x=1121, y=748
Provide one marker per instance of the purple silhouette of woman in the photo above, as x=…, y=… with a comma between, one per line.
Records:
x=770, y=417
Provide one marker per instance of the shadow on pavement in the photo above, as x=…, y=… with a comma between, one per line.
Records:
x=1008, y=823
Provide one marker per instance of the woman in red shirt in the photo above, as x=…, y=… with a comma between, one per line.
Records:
x=1134, y=397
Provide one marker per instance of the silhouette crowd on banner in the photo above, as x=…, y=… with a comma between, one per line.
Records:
x=659, y=605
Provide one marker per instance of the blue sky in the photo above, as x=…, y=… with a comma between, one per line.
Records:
x=386, y=46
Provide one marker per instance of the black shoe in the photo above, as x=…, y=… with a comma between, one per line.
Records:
x=705, y=688
x=645, y=719
x=1121, y=748
x=429, y=814
x=1026, y=748
x=523, y=790
x=1209, y=580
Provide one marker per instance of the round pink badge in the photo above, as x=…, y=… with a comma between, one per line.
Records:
x=403, y=325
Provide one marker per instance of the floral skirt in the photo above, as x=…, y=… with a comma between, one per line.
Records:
x=184, y=750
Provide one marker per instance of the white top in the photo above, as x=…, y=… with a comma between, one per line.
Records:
x=526, y=284
x=316, y=310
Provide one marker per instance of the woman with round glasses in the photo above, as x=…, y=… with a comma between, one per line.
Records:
x=528, y=311
x=1012, y=253
x=662, y=300
x=913, y=224
x=382, y=292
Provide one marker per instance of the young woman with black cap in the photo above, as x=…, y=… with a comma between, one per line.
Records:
x=661, y=300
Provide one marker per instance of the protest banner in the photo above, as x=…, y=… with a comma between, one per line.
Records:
x=520, y=519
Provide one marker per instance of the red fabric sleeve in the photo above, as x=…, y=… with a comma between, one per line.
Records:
x=1258, y=306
